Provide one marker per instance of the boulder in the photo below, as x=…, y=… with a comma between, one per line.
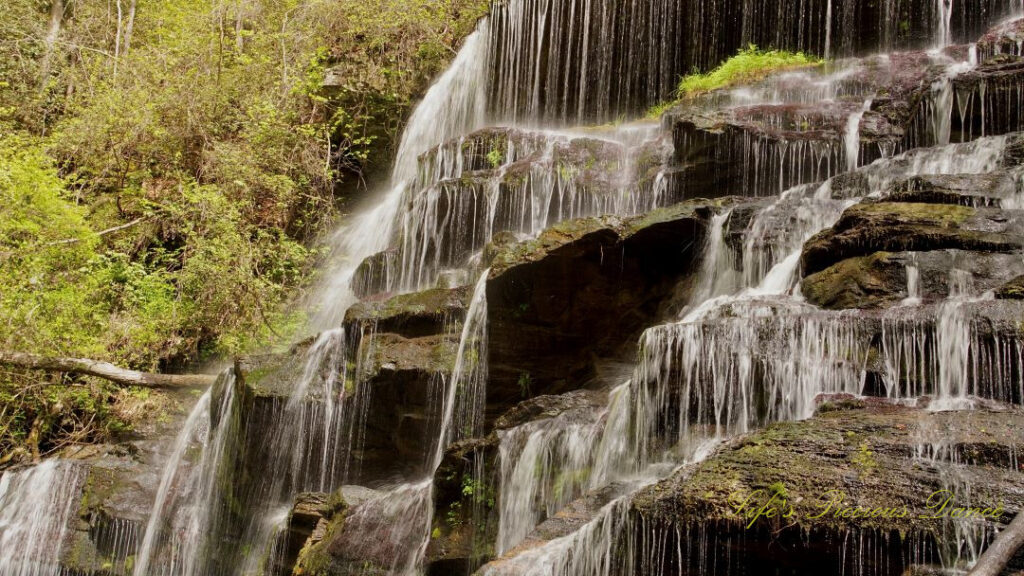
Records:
x=582, y=290
x=880, y=280
x=900, y=227
x=869, y=474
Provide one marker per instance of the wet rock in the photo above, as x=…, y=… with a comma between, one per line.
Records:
x=879, y=457
x=900, y=227
x=411, y=315
x=465, y=523
x=549, y=407
x=116, y=501
x=402, y=378
x=982, y=101
x=376, y=274
x=1012, y=290
x=1000, y=189
x=880, y=280
x=307, y=526
x=765, y=149
x=570, y=519
x=1004, y=38
x=582, y=289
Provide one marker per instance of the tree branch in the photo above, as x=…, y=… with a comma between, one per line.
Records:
x=66, y=241
x=999, y=554
x=105, y=370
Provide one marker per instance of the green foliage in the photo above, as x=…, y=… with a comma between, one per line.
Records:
x=525, y=384
x=750, y=65
x=160, y=199
x=495, y=158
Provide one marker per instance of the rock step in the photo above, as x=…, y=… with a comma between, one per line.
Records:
x=872, y=455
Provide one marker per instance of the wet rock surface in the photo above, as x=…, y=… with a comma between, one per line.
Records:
x=411, y=315
x=899, y=227
x=1004, y=38
x=875, y=456
x=881, y=279
x=584, y=288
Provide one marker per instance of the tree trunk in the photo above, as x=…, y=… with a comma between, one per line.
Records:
x=105, y=370
x=999, y=554
x=129, y=27
x=117, y=38
x=56, y=17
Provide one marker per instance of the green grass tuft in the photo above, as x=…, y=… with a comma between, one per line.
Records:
x=750, y=65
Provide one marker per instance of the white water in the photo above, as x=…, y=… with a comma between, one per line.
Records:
x=913, y=284
x=187, y=503
x=851, y=136
x=400, y=519
x=453, y=106
x=37, y=517
x=545, y=465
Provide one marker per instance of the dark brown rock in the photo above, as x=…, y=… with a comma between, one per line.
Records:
x=583, y=289
x=867, y=455
x=912, y=227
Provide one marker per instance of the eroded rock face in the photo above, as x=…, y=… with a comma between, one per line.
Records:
x=900, y=227
x=1005, y=38
x=583, y=289
x=872, y=455
x=765, y=149
x=1000, y=189
x=982, y=101
x=881, y=279
x=116, y=502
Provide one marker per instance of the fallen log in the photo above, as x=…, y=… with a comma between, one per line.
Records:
x=999, y=554
x=105, y=370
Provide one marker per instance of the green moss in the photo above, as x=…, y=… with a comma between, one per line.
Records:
x=750, y=65
x=948, y=215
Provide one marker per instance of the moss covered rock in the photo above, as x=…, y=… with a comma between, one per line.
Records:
x=881, y=279
x=900, y=227
x=867, y=474
x=583, y=290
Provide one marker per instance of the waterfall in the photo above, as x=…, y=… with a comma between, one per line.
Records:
x=913, y=283
x=404, y=514
x=944, y=14
x=37, y=517
x=746, y=351
x=187, y=505
x=520, y=181
x=851, y=136
x=453, y=106
x=547, y=462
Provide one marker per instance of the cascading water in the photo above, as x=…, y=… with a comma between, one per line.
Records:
x=187, y=504
x=746, y=352
x=734, y=363
x=944, y=13
x=404, y=513
x=37, y=515
x=454, y=105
